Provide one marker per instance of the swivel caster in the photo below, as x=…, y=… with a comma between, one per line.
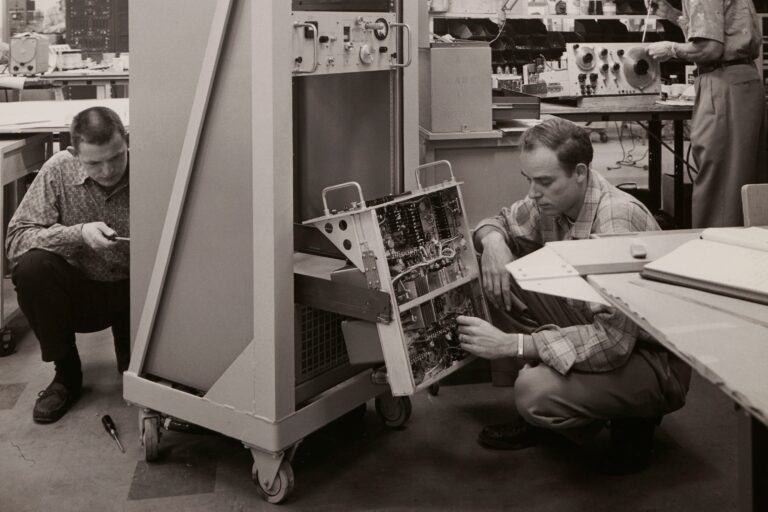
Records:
x=281, y=487
x=394, y=411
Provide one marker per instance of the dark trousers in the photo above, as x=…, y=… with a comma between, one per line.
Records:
x=58, y=300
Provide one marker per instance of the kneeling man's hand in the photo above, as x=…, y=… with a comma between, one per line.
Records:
x=482, y=339
x=95, y=236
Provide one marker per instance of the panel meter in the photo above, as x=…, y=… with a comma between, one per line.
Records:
x=347, y=42
x=417, y=247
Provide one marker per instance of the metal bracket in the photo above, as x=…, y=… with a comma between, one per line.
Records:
x=371, y=270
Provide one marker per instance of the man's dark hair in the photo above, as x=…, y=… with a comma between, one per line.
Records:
x=96, y=125
x=570, y=142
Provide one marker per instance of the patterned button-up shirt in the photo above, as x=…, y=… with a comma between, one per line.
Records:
x=61, y=199
x=607, y=342
x=731, y=22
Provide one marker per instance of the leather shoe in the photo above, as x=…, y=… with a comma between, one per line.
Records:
x=53, y=402
x=631, y=446
x=509, y=436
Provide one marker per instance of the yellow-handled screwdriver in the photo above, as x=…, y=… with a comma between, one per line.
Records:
x=109, y=426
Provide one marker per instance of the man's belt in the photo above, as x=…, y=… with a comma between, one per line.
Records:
x=708, y=67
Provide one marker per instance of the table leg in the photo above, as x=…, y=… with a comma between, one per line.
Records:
x=682, y=220
x=654, y=165
x=752, y=463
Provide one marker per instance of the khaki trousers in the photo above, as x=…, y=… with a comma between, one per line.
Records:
x=728, y=139
x=653, y=382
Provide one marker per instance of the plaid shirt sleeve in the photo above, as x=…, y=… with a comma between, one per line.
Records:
x=600, y=346
x=520, y=224
x=35, y=225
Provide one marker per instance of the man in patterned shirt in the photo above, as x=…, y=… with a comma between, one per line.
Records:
x=68, y=257
x=588, y=364
x=729, y=128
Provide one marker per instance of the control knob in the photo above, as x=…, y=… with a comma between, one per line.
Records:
x=366, y=54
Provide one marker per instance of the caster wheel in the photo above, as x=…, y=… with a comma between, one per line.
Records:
x=150, y=438
x=281, y=487
x=394, y=411
x=434, y=389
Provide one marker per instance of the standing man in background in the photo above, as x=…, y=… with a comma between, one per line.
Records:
x=68, y=266
x=728, y=131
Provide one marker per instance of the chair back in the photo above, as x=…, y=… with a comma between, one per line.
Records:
x=754, y=204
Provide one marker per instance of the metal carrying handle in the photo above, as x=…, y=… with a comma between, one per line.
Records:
x=410, y=45
x=339, y=186
x=315, y=44
x=432, y=164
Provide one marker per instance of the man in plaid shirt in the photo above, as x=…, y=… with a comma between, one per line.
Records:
x=588, y=364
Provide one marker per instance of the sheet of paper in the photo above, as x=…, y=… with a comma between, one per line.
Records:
x=545, y=271
x=12, y=82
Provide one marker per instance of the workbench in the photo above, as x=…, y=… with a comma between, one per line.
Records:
x=104, y=81
x=488, y=162
x=639, y=108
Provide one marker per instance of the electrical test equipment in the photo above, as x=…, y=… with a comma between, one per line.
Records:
x=231, y=332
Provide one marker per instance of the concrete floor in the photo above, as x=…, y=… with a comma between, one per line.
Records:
x=433, y=463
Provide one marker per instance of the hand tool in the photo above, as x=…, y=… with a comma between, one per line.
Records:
x=109, y=426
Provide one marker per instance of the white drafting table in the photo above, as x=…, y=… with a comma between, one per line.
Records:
x=722, y=338
x=52, y=116
x=726, y=341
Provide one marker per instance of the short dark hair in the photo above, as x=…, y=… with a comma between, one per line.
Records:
x=96, y=125
x=569, y=141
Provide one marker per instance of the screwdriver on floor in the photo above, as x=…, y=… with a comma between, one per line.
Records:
x=109, y=426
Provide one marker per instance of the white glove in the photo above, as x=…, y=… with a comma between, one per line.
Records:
x=662, y=50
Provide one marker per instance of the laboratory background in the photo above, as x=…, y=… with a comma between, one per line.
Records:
x=384, y=255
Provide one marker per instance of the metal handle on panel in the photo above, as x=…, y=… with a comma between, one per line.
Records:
x=432, y=164
x=339, y=186
x=410, y=45
x=315, y=44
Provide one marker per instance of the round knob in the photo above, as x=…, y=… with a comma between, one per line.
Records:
x=616, y=67
x=620, y=53
x=366, y=54
x=582, y=77
x=604, y=68
x=587, y=58
x=592, y=77
x=642, y=67
x=575, y=47
x=602, y=52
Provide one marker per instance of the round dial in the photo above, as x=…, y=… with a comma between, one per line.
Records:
x=585, y=58
x=382, y=32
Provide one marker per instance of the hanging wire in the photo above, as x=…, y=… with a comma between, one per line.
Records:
x=627, y=158
x=689, y=167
